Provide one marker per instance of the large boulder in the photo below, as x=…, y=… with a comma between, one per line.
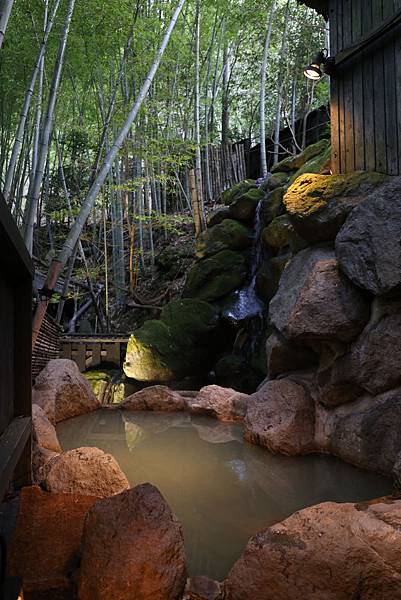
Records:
x=364, y=433
x=179, y=344
x=62, y=391
x=228, y=235
x=318, y=205
x=237, y=190
x=283, y=357
x=269, y=274
x=368, y=246
x=329, y=551
x=280, y=416
x=316, y=302
x=217, y=276
x=321, y=163
x=136, y=544
x=371, y=364
x=87, y=471
x=45, y=543
x=225, y=404
x=273, y=206
x=155, y=398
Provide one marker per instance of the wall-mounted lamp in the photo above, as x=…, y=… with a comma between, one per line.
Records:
x=314, y=70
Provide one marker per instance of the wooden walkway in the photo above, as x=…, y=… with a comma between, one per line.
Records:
x=90, y=351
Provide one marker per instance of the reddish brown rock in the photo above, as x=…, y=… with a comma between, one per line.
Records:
x=156, y=398
x=44, y=432
x=225, y=404
x=46, y=541
x=132, y=548
x=280, y=416
x=87, y=471
x=327, y=552
x=40, y=458
x=316, y=302
x=62, y=391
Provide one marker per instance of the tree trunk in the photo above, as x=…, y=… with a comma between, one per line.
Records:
x=27, y=103
x=279, y=104
x=263, y=77
x=34, y=191
x=5, y=11
x=198, y=157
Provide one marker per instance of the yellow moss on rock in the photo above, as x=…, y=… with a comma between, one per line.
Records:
x=311, y=192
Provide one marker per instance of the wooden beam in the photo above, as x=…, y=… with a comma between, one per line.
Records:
x=368, y=43
x=12, y=444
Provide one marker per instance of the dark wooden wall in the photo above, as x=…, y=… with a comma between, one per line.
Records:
x=16, y=272
x=366, y=88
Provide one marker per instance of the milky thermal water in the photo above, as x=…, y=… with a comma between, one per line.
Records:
x=222, y=490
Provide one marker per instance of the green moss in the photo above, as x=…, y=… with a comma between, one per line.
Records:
x=237, y=190
x=174, y=346
x=293, y=163
x=229, y=234
x=314, y=165
x=244, y=207
x=311, y=192
x=216, y=276
x=278, y=180
x=280, y=233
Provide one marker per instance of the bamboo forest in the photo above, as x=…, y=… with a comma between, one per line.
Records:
x=200, y=299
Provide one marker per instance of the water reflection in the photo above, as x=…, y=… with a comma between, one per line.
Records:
x=221, y=489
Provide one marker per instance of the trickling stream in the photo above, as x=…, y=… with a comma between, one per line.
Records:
x=222, y=489
x=247, y=303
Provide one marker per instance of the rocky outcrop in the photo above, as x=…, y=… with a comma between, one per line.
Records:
x=228, y=235
x=45, y=544
x=44, y=433
x=176, y=345
x=318, y=205
x=136, y=544
x=368, y=246
x=316, y=302
x=154, y=398
x=217, y=276
x=330, y=551
x=223, y=403
x=62, y=392
x=280, y=416
x=86, y=471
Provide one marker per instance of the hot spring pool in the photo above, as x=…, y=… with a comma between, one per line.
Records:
x=222, y=489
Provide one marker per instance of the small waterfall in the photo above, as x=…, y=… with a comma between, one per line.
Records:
x=247, y=303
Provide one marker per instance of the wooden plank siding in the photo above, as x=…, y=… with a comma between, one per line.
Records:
x=366, y=89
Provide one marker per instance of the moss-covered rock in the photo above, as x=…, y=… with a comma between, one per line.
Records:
x=293, y=163
x=217, y=216
x=318, y=205
x=280, y=233
x=314, y=165
x=278, y=180
x=273, y=206
x=237, y=190
x=235, y=372
x=228, y=235
x=244, y=207
x=214, y=277
x=179, y=344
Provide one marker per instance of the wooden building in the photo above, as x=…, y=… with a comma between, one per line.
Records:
x=16, y=273
x=365, y=84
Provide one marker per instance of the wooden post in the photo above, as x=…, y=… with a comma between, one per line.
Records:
x=198, y=220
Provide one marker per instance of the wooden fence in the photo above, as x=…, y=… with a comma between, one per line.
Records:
x=47, y=345
x=227, y=166
x=91, y=351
